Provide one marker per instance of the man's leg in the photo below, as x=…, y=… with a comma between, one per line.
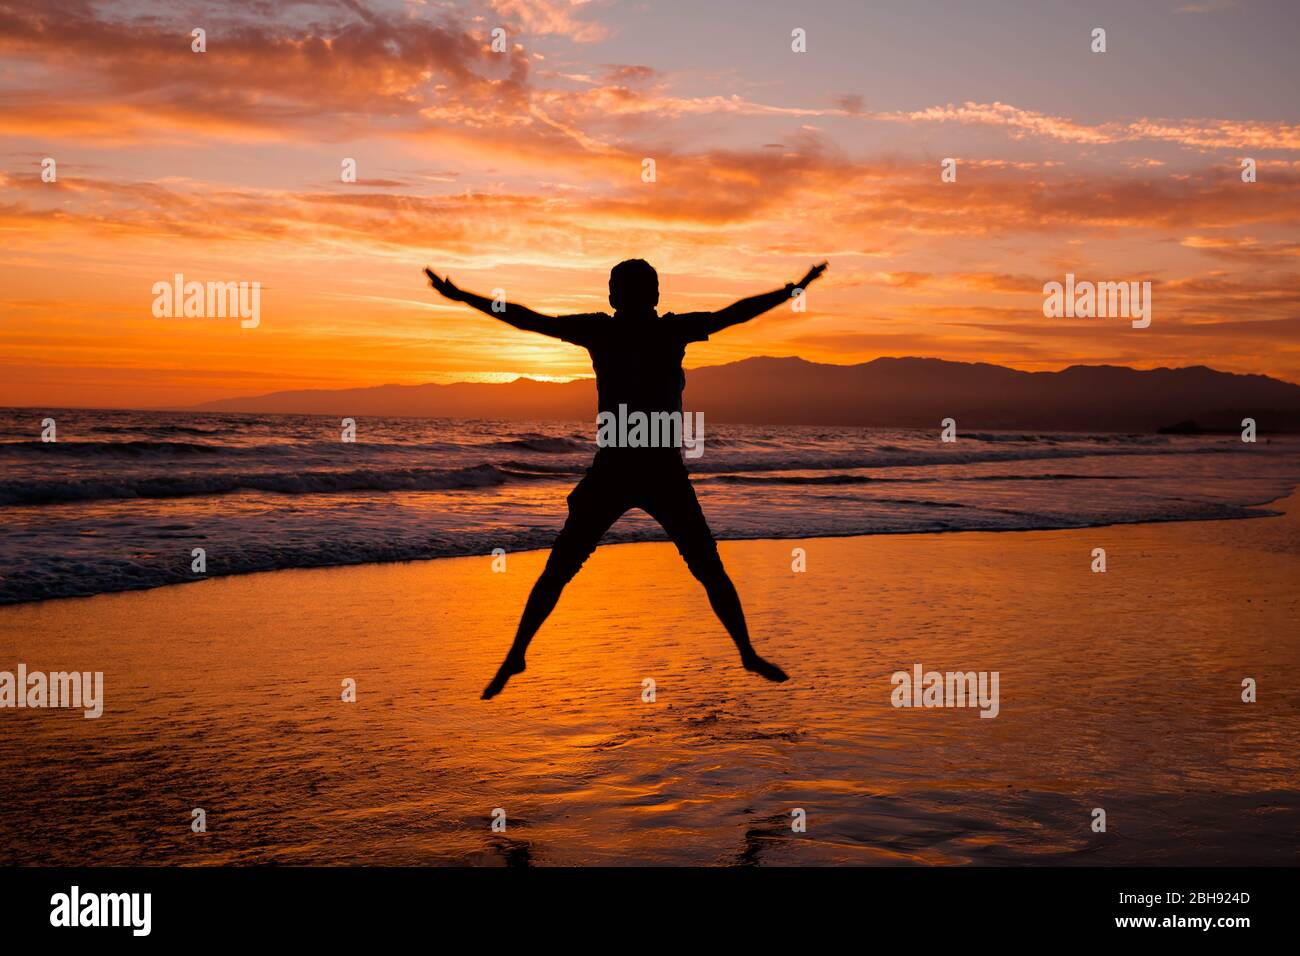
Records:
x=594, y=505
x=673, y=504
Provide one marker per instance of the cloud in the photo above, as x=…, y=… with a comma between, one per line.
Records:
x=624, y=75
x=254, y=73
x=543, y=17
x=1245, y=249
x=1199, y=133
x=111, y=73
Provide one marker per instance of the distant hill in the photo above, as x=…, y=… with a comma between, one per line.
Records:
x=897, y=392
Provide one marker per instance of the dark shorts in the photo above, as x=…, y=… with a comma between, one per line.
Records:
x=654, y=480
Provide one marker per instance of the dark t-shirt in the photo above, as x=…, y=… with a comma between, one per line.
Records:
x=638, y=362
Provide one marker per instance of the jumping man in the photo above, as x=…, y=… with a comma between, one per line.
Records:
x=637, y=355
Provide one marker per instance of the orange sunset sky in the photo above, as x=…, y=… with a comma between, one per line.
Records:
x=522, y=170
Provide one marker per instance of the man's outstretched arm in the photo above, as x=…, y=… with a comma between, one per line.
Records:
x=517, y=315
x=756, y=305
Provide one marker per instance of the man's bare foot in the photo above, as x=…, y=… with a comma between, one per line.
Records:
x=508, y=669
x=764, y=668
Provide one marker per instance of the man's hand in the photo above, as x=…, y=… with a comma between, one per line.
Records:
x=445, y=287
x=813, y=273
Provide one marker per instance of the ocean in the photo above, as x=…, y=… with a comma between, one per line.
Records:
x=122, y=498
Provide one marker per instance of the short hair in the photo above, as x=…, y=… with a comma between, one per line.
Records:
x=633, y=283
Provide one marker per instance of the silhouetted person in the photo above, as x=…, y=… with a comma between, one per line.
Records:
x=637, y=355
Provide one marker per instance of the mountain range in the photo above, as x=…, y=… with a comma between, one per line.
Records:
x=885, y=392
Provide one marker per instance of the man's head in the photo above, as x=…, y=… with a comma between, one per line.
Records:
x=633, y=286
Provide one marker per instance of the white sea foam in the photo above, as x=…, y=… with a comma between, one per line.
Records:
x=119, y=501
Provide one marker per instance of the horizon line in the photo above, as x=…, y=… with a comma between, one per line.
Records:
x=576, y=378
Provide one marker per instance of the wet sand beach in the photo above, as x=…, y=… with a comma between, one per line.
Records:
x=1119, y=691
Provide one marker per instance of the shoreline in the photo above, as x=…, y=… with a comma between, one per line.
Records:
x=1279, y=512
x=1120, y=690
